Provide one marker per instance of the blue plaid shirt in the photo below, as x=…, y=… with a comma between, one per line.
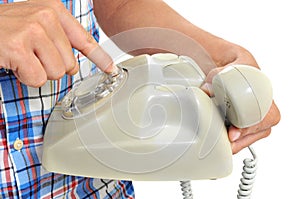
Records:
x=24, y=112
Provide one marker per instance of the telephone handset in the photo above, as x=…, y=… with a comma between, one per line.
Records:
x=244, y=93
x=150, y=121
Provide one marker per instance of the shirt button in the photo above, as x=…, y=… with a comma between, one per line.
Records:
x=18, y=144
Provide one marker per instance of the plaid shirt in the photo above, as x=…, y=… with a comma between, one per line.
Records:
x=23, y=115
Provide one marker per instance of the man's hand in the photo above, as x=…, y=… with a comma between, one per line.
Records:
x=241, y=138
x=37, y=37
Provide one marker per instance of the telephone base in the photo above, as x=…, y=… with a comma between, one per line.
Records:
x=65, y=153
x=156, y=125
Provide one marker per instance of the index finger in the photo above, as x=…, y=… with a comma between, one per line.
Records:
x=80, y=39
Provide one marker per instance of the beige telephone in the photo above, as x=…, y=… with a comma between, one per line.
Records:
x=150, y=121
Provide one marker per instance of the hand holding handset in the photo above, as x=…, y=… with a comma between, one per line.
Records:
x=152, y=122
x=244, y=94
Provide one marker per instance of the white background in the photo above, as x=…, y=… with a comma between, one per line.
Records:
x=270, y=30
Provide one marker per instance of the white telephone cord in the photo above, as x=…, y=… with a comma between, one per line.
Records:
x=186, y=189
x=249, y=173
x=247, y=181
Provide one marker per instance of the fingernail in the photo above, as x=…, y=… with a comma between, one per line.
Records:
x=114, y=69
x=207, y=88
x=234, y=136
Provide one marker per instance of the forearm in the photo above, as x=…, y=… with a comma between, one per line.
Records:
x=123, y=15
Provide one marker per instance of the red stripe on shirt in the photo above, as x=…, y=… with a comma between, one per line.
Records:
x=124, y=190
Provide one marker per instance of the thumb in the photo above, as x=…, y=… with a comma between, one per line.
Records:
x=207, y=85
x=207, y=88
x=212, y=73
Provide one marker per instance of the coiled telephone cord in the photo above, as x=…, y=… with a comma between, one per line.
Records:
x=247, y=180
x=249, y=173
x=186, y=189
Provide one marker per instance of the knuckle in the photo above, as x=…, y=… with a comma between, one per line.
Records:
x=18, y=48
x=71, y=63
x=60, y=74
x=73, y=69
x=87, y=43
x=37, y=84
x=34, y=28
x=47, y=14
x=277, y=116
x=266, y=133
x=89, y=38
x=39, y=79
x=273, y=117
x=55, y=75
x=58, y=5
x=276, y=119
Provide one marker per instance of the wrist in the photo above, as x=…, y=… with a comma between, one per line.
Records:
x=221, y=51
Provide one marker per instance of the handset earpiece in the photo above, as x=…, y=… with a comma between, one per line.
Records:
x=244, y=94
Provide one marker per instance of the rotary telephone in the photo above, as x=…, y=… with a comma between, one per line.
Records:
x=150, y=121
